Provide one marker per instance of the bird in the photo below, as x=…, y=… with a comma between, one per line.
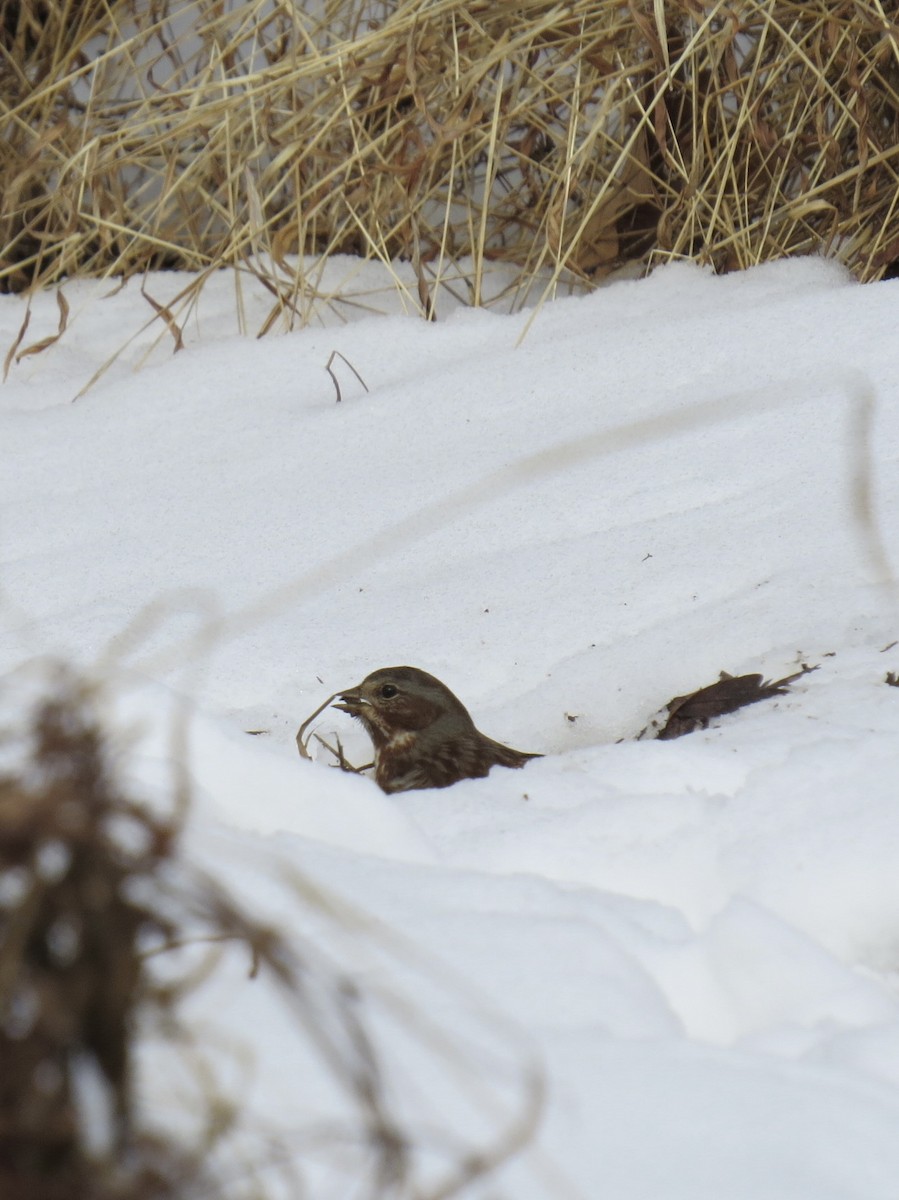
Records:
x=423, y=735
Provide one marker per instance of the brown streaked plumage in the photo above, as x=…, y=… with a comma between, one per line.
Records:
x=422, y=734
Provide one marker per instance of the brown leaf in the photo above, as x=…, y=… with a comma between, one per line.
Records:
x=731, y=692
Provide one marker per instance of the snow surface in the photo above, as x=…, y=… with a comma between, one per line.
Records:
x=693, y=943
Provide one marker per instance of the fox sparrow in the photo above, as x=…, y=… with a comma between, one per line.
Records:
x=422, y=734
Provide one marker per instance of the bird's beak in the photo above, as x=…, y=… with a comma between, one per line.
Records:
x=353, y=702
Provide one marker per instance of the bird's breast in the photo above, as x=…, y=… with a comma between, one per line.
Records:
x=399, y=743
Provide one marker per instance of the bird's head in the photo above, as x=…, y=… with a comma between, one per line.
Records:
x=396, y=700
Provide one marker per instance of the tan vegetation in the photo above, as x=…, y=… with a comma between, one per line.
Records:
x=566, y=140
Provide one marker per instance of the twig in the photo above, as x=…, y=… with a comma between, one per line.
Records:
x=342, y=761
x=337, y=354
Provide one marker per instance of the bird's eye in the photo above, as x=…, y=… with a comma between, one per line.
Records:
x=387, y=690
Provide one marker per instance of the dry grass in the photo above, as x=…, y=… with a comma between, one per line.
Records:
x=565, y=140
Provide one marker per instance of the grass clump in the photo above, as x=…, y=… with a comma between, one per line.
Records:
x=565, y=141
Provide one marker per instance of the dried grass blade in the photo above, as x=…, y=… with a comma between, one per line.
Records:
x=301, y=741
x=38, y=347
x=23, y=328
x=163, y=311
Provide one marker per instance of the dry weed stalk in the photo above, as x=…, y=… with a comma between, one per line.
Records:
x=336, y=354
x=564, y=140
x=71, y=978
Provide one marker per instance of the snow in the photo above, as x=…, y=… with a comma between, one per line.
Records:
x=569, y=515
